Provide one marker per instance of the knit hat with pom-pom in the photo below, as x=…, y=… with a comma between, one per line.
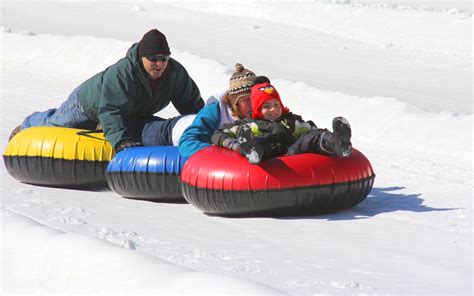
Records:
x=240, y=84
x=241, y=81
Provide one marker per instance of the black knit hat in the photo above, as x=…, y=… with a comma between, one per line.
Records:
x=153, y=42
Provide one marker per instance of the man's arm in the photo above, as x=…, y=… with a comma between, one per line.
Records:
x=113, y=113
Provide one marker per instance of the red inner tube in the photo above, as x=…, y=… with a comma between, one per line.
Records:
x=222, y=169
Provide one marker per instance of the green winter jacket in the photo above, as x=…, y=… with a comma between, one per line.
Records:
x=122, y=91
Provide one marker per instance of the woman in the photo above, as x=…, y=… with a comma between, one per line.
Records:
x=220, y=109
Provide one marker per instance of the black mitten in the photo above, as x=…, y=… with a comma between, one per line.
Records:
x=274, y=150
x=253, y=150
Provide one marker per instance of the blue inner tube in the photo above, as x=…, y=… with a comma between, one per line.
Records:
x=147, y=173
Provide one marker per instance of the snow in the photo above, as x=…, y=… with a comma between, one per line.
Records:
x=106, y=269
x=400, y=71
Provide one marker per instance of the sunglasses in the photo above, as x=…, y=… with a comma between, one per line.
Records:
x=157, y=57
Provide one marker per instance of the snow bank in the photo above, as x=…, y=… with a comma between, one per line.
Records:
x=379, y=24
x=384, y=121
x=299, y=50
x=52, y=261
x=80, y=57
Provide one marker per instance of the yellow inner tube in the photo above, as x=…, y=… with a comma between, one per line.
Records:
x=60, y=143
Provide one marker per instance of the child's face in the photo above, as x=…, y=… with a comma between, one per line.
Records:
x=271, y=109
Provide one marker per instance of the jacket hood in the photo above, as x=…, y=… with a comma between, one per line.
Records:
x=132, y=55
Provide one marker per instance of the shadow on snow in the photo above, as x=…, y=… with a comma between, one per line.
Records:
x=379, y=201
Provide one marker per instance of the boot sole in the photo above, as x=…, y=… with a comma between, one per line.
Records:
x=342, y=137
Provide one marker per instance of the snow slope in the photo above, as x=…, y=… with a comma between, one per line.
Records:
x=105, y=269
x=413, y=233
x=418, y=56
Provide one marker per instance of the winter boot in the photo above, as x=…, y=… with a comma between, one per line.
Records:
x=341, y=137
x=15, y=131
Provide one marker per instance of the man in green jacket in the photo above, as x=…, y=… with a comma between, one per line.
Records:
x=124, y=97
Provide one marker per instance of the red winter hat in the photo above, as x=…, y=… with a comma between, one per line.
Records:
x=261, y=93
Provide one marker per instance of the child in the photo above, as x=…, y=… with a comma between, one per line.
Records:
x=274, y=130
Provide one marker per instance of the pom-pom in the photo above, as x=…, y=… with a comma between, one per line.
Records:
x=239, y=67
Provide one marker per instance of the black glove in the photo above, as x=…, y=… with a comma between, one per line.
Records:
x=258, y=149
x=275, y=150
x=253, y=150
x=127, y=144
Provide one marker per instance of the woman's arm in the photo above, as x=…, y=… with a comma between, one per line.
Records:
x=198, y=135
